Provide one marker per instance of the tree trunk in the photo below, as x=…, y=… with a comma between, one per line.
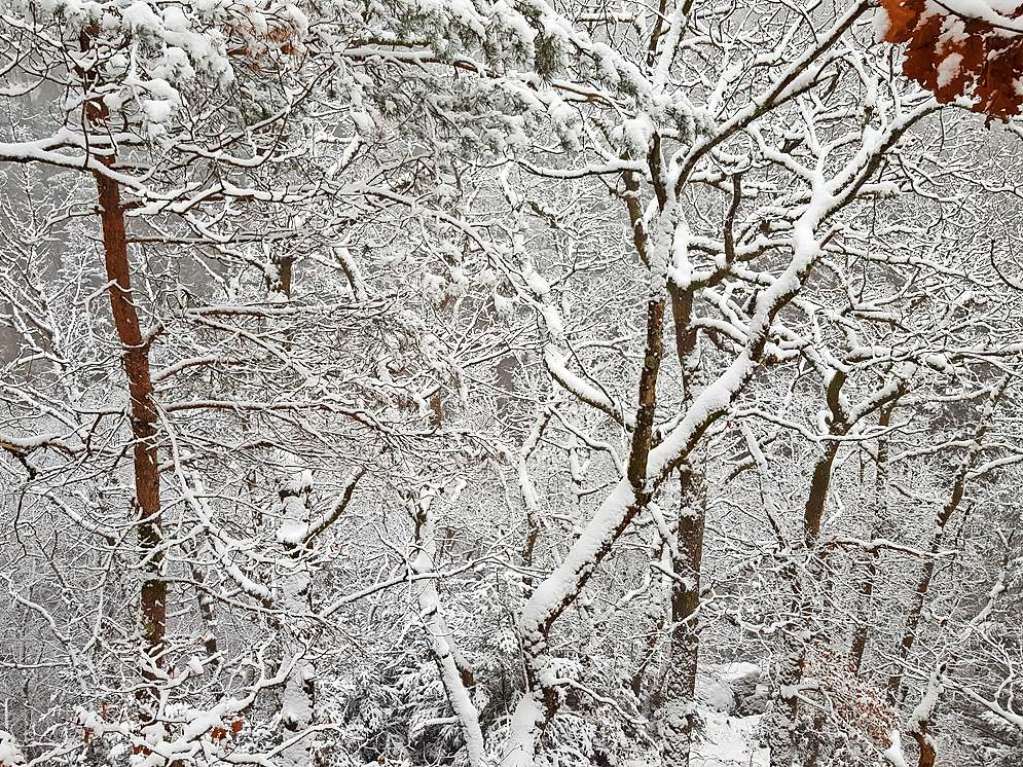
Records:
x=143, y=414
x=142, y=407
x=679, y=688
x=920, y=722
x=866, y=589
x=299, y=700
x=278, y=276
x=784, y=747
x=456, y=675
x=678, y=714
x=928, y=753
x=208, y=615
x=298, y=704
x=813, y=515
x=529, y=497
x=909, y=632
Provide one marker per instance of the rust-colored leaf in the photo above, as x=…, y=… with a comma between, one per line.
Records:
x=956, y=56
x=903, y=16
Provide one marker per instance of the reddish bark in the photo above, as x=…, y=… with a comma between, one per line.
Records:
x=135, y=357
x=143, y=414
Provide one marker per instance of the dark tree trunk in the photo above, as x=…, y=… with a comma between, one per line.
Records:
x=278, y=276
x=679, y=689
x=866, y=588
x=684, y=647
x=794, y=663
x=909, y=632
x=941, y=521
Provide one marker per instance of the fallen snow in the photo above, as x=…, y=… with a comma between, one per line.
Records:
x=729, y=741
x=10, y=752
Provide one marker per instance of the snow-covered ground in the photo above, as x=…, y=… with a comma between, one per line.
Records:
x=728, y=739
x=727, y=701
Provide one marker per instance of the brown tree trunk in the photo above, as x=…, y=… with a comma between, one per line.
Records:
x=142, y=407
x=813, y=515
x=679, y=688
x=143, y=414
x=684, y=647
x=816, y=502
x=909, y=633
x=866, y=589
x=920, y=724
x=928, y=754
x=642, y=437
x=784, y=747
x=912, y=626
x=278, y=275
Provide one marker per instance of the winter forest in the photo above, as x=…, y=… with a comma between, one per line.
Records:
x=511, y=383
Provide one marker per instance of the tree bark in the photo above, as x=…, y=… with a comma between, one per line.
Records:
x=207, y=613
x=642, y=437
x=909, y=633
x=298, y=704
x=142, y=406
x=678, y=715
x=794, y=663
x=456, y=675
x=679, y=688
x=298, y=711
x=920, y=724
x=813, y=515
x=866, y=589
x=278, y=276
x=143, y=415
